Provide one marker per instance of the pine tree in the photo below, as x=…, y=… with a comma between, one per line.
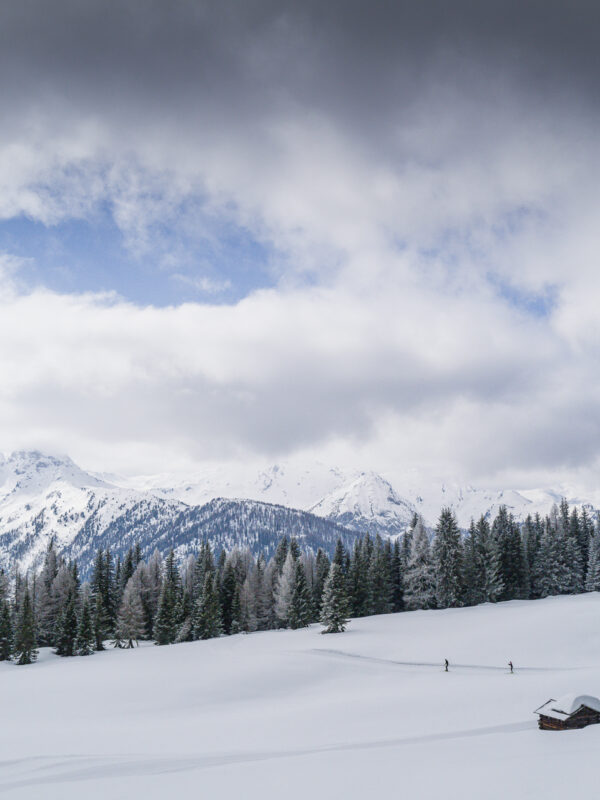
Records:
x=334, y=605
x=6, y=631
x=284, y=590
x=419, y=577
x=299, y=611
x=165, y=629
x=447, y=558
x=25, y=647
x=380, y=589
x=492, y=587
x=67, y=628
x=321, y=572
x=84, y=644
x=226, y=596
x=207, y=616
x=592, y=581
x=511, y=556
x=397, y=578
x=339, y=555
x=357, y=579
x=237, y=622
x=99, y=622
x=169, y=614
x=281, y=553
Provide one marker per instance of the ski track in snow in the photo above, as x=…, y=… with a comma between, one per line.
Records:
x=72, y=768
x=438, y=664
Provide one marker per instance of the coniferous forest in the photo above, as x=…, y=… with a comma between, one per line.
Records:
x=211, y=595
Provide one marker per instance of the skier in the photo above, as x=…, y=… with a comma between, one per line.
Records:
x=510, y=664
x=446, y=665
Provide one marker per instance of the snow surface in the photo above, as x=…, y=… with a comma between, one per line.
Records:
x=295, y=714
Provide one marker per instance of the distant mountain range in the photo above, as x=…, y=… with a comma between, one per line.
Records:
x=43, y=496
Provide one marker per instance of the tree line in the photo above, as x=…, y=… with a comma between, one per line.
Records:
x=158, y=599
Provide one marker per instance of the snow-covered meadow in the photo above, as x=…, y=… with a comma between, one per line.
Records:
x=295, y=714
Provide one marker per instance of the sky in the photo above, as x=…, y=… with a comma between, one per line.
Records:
x=254, y=231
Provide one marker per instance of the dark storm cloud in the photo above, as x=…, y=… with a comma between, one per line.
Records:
x=234, y=59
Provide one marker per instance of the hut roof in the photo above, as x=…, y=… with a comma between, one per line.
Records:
x=567, y=705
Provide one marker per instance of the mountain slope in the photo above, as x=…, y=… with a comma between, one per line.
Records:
x=223, y=522
x=368, y=503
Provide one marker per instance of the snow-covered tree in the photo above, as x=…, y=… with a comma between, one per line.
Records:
x=419, y=576
x=131, y=623
x=285, y=589
x=447, y=559
x=84, y=644
x=207, y=612
x=592, y=581
x=334, y=607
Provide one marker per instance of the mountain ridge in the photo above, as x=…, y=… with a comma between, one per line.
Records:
x=44, y=496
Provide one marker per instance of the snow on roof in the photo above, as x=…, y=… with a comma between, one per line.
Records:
x=567, y=705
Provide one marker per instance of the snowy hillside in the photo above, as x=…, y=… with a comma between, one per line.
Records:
x=297, y=714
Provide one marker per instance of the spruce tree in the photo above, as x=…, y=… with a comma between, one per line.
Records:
x=237, y=621
x=165, y=628
x=25, y=648
x=207, y=616
x=357, y=580
x=510, y=552
x=226, y=596
x=492, y=582
x=6, y=631
x=592, y=581
x=99, y=622
x=334, y=605
x=447, y=559
x=299, y=611
x=321, y=572
x=67, y=628
x=419, y=576
x=84, y=644
x=397, y=578
x=284, y=590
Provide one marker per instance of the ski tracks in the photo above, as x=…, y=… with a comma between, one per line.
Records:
x=46, y=770
x=322, y=651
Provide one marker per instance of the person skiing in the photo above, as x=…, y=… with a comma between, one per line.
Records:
x=510, y=664
x=446, y=665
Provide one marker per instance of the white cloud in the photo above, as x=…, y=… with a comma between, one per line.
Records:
x=384, y=339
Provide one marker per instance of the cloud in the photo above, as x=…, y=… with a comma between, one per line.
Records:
x=423, y=176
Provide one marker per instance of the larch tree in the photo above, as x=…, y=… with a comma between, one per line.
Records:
x=131, y=621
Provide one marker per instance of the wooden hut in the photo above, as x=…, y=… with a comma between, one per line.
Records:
x=569, y=712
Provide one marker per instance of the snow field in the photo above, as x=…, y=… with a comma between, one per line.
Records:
x=292, y=713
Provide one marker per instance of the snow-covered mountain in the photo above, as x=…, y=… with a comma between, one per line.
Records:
x=44, y=496
x=368, y=503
